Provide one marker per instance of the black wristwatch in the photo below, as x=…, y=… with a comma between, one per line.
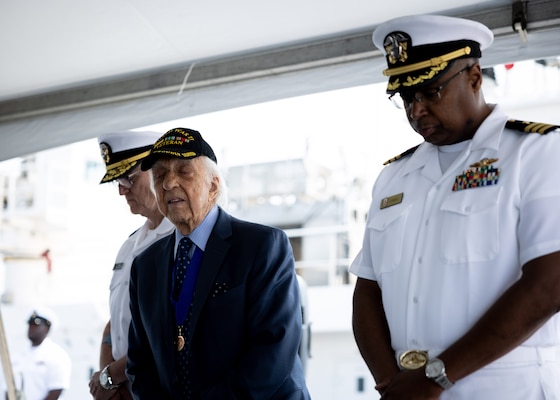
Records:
x=435, y=370
x=105, y=379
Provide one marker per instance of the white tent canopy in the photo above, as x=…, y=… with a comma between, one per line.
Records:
x=72, y=70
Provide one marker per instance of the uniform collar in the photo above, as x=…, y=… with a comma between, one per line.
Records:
x=488, y=136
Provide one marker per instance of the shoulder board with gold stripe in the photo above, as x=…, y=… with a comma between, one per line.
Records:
x=530, y=127
x=406, y=153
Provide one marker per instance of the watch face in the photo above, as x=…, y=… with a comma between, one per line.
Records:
x=103, y=378
x=434, y=368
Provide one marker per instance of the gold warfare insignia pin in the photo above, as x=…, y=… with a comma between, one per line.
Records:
x=484, y=162
x=391, y=201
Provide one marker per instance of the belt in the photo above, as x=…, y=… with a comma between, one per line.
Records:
x=414, y=359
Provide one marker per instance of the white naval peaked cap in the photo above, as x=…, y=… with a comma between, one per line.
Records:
x=122, y=151
x=420, y=48
x=44, y=312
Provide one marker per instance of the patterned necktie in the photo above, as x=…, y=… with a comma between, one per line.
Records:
x=183, y=261
x=182, y=357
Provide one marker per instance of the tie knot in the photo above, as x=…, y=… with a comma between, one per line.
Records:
x=186, y=241
x=184, y=247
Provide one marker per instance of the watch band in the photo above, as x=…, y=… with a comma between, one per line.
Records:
x=443, y=381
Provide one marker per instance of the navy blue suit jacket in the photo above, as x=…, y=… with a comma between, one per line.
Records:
x=245, y=321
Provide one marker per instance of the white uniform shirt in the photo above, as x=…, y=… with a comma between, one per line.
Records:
x=119, y=297
x=40, y=369
x=443, y=257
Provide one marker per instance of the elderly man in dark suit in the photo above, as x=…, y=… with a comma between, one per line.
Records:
x=214, y=316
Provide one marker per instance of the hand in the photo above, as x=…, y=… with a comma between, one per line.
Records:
x=98, y=392
x=381, y=386
x=124, y=393
x=410, y=385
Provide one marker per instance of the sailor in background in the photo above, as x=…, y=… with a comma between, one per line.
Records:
x=43, y=370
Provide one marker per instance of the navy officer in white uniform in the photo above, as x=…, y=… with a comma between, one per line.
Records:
x=459, y=274
x=122, y=153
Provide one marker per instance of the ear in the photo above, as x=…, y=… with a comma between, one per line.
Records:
x=475, y=77
x=214, y=188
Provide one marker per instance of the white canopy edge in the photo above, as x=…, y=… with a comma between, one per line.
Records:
x=41, y=121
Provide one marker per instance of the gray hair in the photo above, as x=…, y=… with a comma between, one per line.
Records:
x=214, y=171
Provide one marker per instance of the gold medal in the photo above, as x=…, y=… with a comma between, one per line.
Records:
x=180, y=339
x=180, y=343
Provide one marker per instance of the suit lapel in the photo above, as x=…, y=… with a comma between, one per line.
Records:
x=164, y=270
x=216, y=249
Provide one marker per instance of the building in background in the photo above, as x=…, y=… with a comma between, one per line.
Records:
x=320, y=209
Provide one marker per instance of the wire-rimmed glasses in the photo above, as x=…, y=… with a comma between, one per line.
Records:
x=429, y=96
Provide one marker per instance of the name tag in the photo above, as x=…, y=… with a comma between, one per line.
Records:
x=391, y=201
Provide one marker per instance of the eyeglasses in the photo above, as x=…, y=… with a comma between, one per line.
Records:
x=426, y=97
x=126, y=181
